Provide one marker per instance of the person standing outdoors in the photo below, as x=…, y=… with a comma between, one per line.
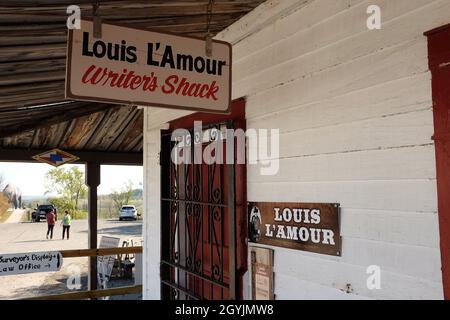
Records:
x=66, y=222
x=50, y=223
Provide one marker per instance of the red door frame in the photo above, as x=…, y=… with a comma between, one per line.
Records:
x=439, y=63
x=237, y=115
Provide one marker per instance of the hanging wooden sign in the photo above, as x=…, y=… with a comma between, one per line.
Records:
x=311, y=227
x=146, y=68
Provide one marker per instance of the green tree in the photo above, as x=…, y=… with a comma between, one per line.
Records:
x=123, y=196
x=68, y=185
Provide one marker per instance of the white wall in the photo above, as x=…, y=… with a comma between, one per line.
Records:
x=354, y=111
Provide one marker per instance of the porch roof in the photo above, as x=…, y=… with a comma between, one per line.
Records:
x=33, y=111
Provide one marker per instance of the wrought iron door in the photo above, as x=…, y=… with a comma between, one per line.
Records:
x=198, y=257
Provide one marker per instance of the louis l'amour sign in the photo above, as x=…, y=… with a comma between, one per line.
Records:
x=145, y=68
x=310, y=227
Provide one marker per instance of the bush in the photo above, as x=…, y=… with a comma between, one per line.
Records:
x=77, y=215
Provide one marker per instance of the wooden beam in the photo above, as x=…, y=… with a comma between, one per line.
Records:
x=107, y=158
x=100, y=252
x=61, y=115
x=91, y=294
x=92, y=182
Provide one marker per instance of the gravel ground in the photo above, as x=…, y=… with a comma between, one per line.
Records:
x=30, y=237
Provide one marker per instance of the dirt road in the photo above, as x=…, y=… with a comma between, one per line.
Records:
x=16, y=216
x=30, y=237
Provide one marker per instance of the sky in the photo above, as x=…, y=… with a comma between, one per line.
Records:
x=30, y=177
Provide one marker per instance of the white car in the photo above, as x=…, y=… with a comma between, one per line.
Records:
x=128, y=212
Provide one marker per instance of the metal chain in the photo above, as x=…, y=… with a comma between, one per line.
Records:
x=95, y=6
x=209, y=9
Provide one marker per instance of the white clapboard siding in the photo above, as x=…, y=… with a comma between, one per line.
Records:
x=354, y=111
x=390, y=226
x=346, y=50
x=394, y=63
x=401, y=195
x=307, y=290
x=305, y=16
x=337, y=275
x=317, y=42
x=415, y=162
x=410, y=129
x=388, y=98
x=415, y=261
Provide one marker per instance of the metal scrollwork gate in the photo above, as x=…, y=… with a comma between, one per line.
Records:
x=198, y=226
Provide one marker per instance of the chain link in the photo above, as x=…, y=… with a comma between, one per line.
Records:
x=209, y=10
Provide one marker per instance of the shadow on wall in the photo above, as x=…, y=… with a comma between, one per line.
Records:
x=131, y=230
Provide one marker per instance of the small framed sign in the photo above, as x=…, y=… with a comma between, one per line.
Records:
x=313, y=227
x=55, y=157
x=262, y=273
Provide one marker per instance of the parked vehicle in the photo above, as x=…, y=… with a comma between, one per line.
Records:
x=41, y=212
x=128, y=212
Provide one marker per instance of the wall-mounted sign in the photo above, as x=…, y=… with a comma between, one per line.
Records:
x=141, y=67
x=262, y=273
x=21, y=263
x=55, y=157
x=303, y=226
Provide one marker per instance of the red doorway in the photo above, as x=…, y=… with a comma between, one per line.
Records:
x=439, y=62
x=203, y=216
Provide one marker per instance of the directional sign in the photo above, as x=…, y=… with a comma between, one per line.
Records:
x=56, y=157
x=21, y=263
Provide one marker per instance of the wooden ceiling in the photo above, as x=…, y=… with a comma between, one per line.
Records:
x=33, y=33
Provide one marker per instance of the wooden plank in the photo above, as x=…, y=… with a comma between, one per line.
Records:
x=92, y=294
x=118, y=3
x=416, y=195
x=109, y=158
x=104, y=130
x=313, y=58
x=371, y=225
x=387, y=164
x=54, y=99
x=134, y=133
x=81, y=131
x=54, y=15
x=116, y=124
x=402, y=61
x=100, y=252
x=132, y=128
x=34, y=52
x=31, y=88
x=61, y=116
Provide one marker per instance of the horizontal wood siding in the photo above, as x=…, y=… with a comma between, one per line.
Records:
x=354, y=110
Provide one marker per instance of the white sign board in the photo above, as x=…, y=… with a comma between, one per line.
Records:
x=21, y=263
x=145, y=68
x=105, y=264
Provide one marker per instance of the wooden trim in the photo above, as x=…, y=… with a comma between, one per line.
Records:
x=92, y=294
x=99, y=252
x=439, y=52
x=110, y=158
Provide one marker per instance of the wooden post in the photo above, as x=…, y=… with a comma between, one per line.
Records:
x=92, y=181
